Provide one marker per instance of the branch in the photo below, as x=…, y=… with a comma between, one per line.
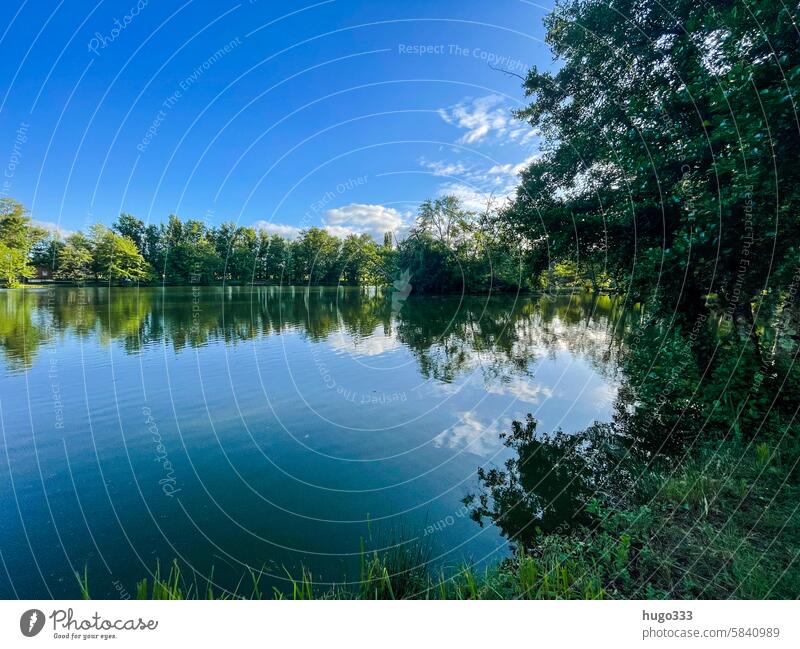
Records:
x=513, y=74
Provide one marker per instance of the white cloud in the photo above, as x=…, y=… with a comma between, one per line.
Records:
x=360, y=218
x=53, y=228
x=442, y=168
x=341, y=231
x=483, y=117
x=356, y=218
x=480, y=187
x=477, y=184
x=286, y=231
x=479, y=117
x=472, y=198
x=510, y=169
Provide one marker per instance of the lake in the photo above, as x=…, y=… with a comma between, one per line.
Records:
x=249, y=427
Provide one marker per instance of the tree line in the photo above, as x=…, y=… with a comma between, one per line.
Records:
x=192, y=252
x=448, y=249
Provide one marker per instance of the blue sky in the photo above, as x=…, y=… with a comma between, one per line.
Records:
x=283, y=114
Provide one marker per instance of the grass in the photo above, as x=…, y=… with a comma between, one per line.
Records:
x=725, y=525
x=746, y=542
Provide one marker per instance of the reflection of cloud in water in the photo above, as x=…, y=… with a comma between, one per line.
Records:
x=471, y=435
x=523, y=389
x=603, y=396
x=373, y=345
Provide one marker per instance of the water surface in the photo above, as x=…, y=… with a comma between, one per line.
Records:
x=235, y=427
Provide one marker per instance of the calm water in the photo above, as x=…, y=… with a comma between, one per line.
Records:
x=239, y=426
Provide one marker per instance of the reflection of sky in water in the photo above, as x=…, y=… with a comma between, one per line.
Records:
x=288, y=422
x=559, y=388
x=374, y=345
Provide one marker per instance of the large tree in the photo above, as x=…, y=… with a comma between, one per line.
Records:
x=669, y=169
x=276, y=259
x=117, y=258
x=14, y=265
x=671, y=141
x=76, y=258
x=46, y=252
x=316, y=257
x=360, y=260
x=129, y=226
x=18, y=236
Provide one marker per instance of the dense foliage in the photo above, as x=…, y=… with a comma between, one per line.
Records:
x=448, y=249
x=191, y=252
x=671, y=168
x=17, y=238
x=670, y=176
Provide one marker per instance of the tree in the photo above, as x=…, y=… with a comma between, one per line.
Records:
x=669, y=172
x=76, y=260
x=360, y=260
x=242, y=254
x=129, y=226
x=444, y=219
x=276, y=259
x=14, y=265
x=46, y=252
x=153, y=249
x=190, y=257
x=452, y=249
x=222, y=238
x=657, y=128
x=316, y=257
x=262, y=250
x=17, y=237
x=117, y=258
x=16, y=230
x=194, y=262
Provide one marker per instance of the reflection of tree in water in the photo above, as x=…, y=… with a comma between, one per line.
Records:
x=23, y=328
x=500, y=335
x=504, y=335
x=549, y=482
x=440, y=332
